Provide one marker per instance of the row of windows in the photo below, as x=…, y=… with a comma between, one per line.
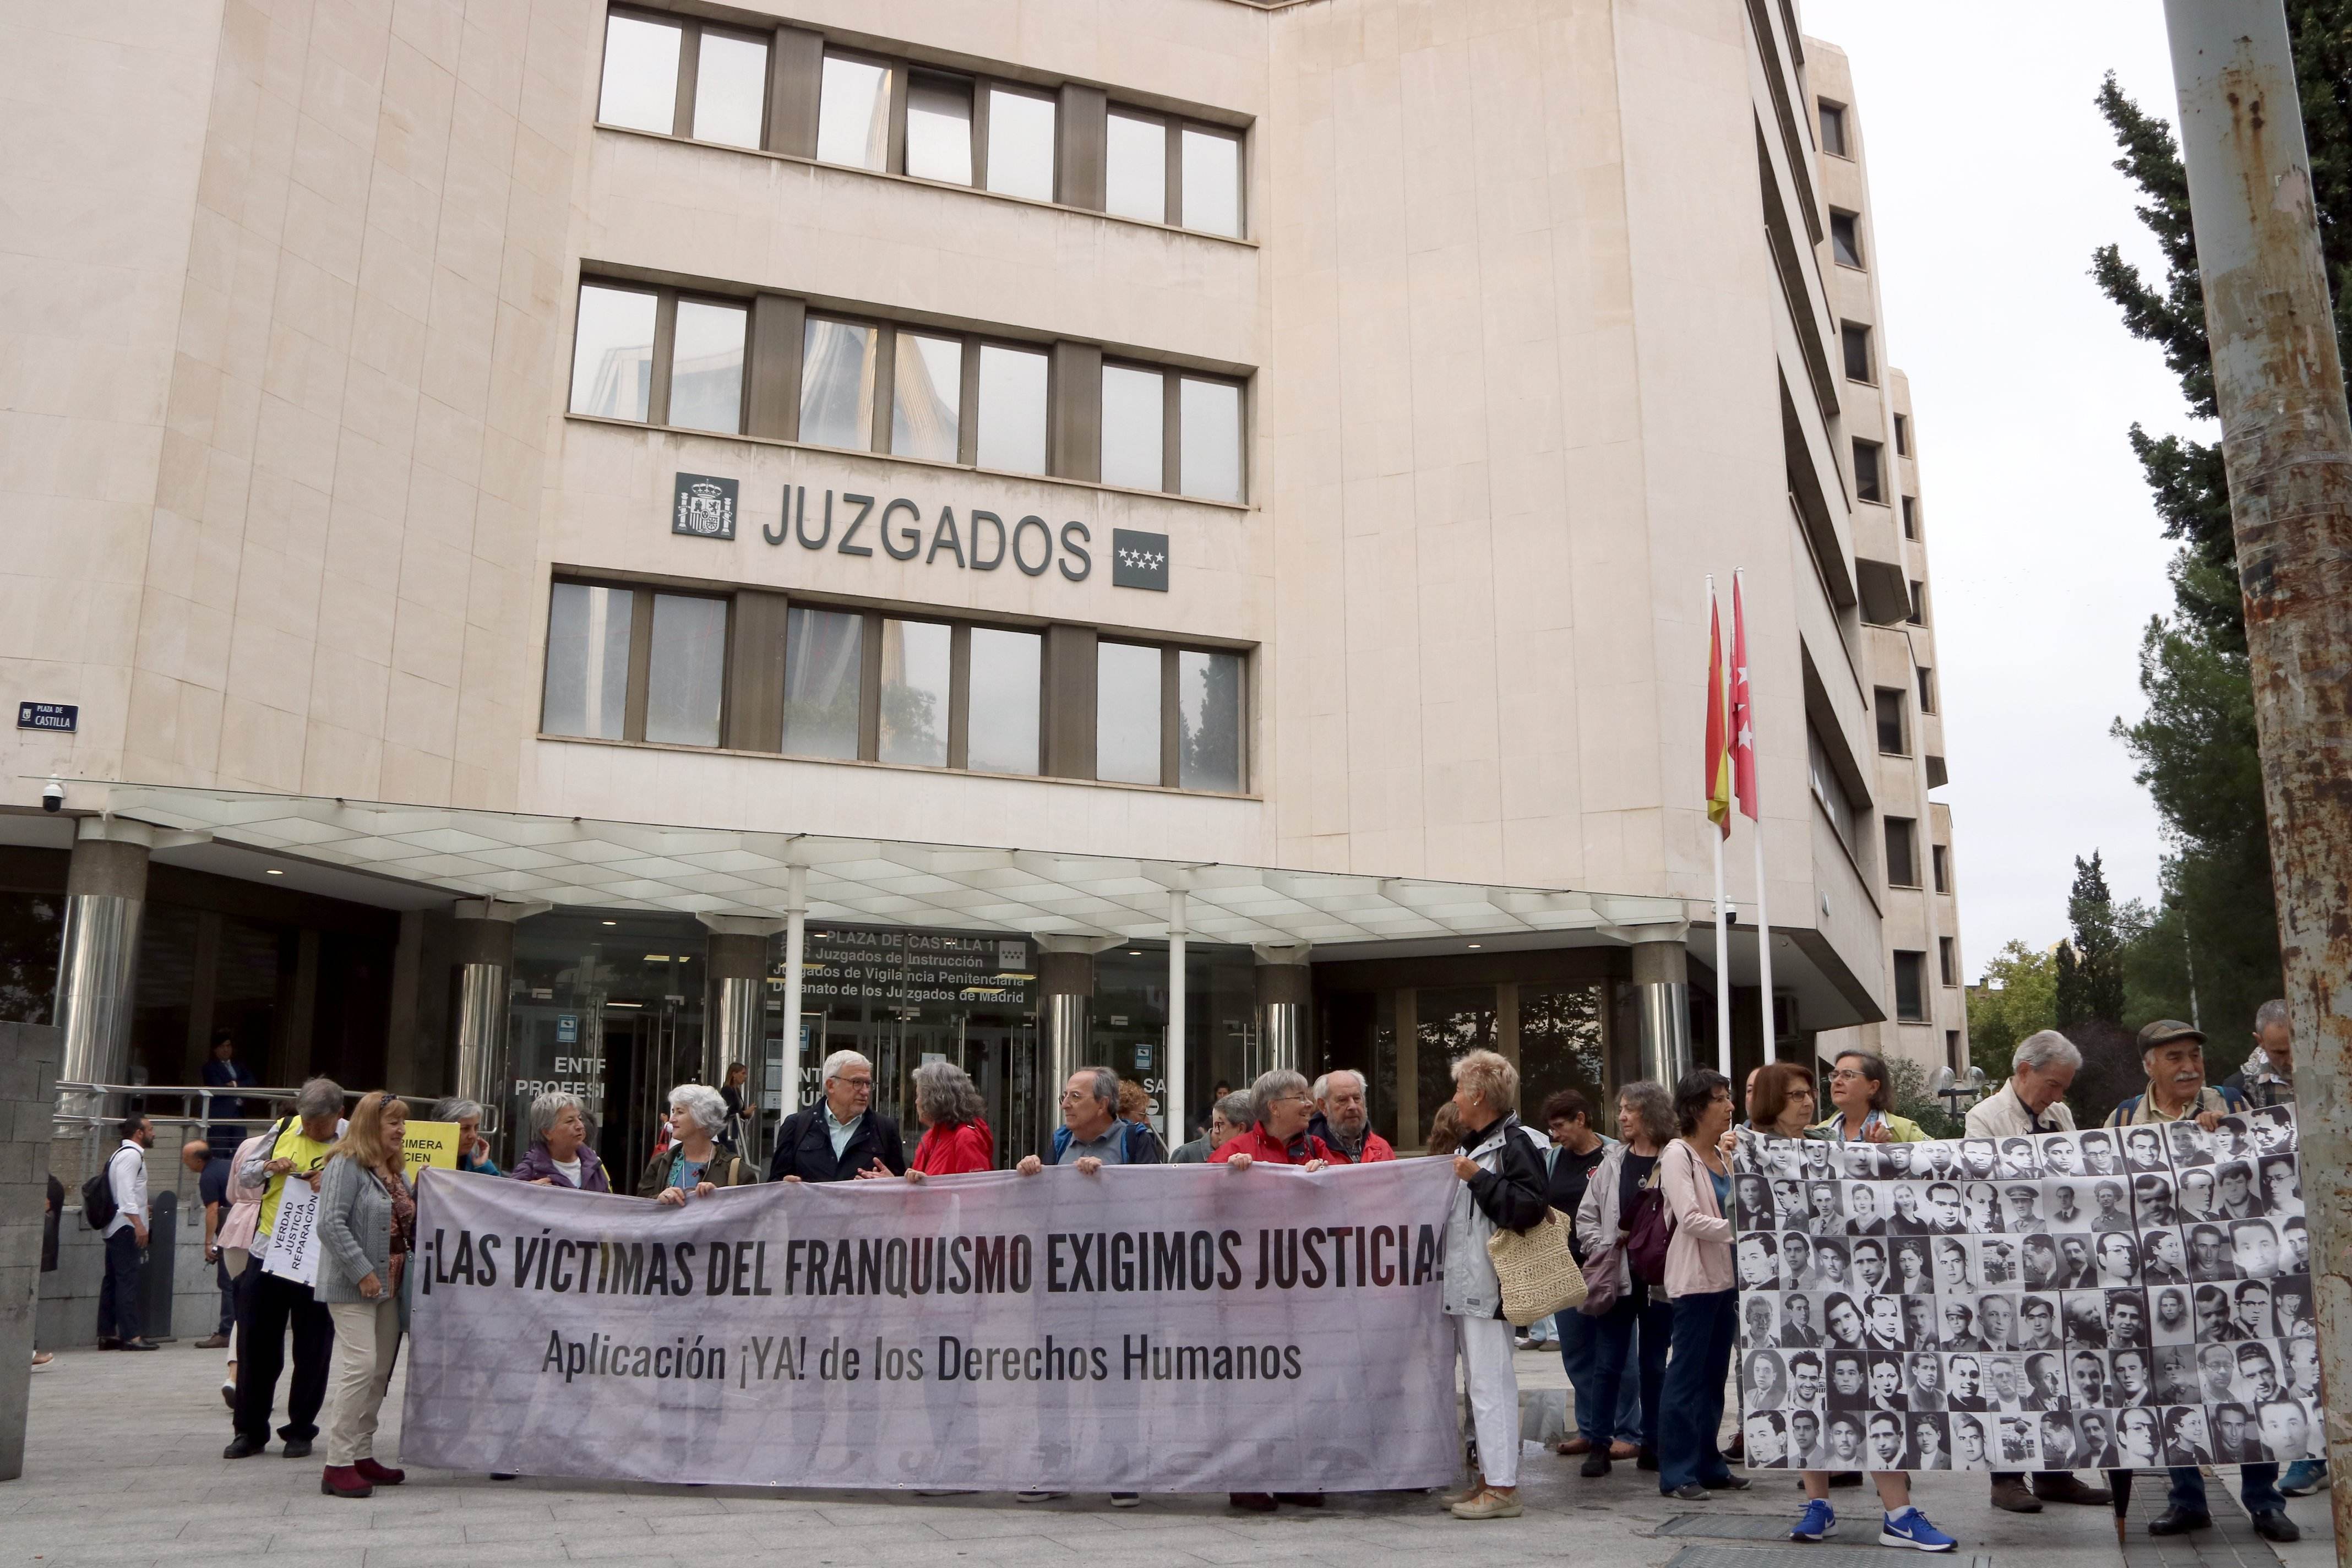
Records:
x=662, y=357
x=1911, y=979
x=641, y=664
x=682, y=78
x=1903, y=856
x=1893, y=727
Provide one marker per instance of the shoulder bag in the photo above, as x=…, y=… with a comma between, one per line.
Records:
x=1652, y=1224
x=1538, y=1273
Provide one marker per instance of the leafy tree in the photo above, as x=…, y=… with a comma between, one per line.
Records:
x=2018, y=996
x=2090, y=968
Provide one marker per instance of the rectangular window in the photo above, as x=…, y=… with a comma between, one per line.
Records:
x=1856, y=340
x=838, y=366
x=853, y=116
x=1209, y=428
x=640, y=88
x=1213, y=181
x=612, y=353
x=1902, y=434
x=926, y=396
x=1007, y=684
x=587, y=689
x=1846, y=239
x=1833, y=130
x=1918, y=616
x=1021, y=145
x=1134, y=409
x=1012, y=434
x=1867, y=483
x=731, y=90
x=705, y=378
x=1891, y=739
x=1941, y=856
x=914, y=692
x=823, y=674
x=1911, y=987
x=1209, y=705
x=1135, y=168
x=1948, y=960
x=938, y=129
x=1910, y=517
x=1902, y=853
x=1127, y=713
x=1926, y=690
x=686, y=676
x=1828, y=787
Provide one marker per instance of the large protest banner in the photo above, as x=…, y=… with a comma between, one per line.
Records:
x=2127, y=1298
x=1146, y=1329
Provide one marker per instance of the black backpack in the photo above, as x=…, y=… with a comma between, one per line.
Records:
x=98, y=1210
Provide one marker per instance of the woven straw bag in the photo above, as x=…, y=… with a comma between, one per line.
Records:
x=1538, y=1274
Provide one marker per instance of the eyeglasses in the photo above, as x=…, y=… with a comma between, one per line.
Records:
x=852, y=1082
x=1846, y=1075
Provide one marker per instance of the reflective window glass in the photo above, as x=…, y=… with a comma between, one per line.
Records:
x=1006, y=674
x=1209, y=713
x=1213, y=182
x=730, y=90
x=1021, y=145
x=853, y=114
x=1209, y=435
x=1135, y=169
x=938, y=129
x=640, y=74
x=612, y=354
x=706, y=367
x=1012, y=409
x=914, y=692
x=686, y=671
x=1127, y=713
x=838, y=384
x=926, y=396
x=824, y=654
x=587, y=661
x=1133, y=411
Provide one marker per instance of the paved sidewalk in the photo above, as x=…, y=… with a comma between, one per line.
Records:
x=123, y=1467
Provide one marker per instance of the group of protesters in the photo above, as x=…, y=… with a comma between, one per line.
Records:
x=1647, y=1354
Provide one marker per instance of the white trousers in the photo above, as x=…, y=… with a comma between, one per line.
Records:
x=367, y=1336
x=235, y=1258
x=1494, y=1384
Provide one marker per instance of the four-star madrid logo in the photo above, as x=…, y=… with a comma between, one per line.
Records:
x=1139, y=560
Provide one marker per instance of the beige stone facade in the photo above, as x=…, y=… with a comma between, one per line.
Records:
x=1534, y=311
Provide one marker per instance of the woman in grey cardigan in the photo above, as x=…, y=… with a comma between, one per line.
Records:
x=367, y=1227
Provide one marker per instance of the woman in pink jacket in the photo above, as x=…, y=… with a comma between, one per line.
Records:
x=1695, y=1171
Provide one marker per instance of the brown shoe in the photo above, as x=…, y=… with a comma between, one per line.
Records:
x=1575, y=1445
x=2011, y=1493
x=1623, y=1450
x=2064, y=1487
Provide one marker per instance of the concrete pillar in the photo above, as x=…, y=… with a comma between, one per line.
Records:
x=795, y=955
x=735, y=1009
x=1179, y=928
x=481, y=949
x=1285, y=987
x=1066, y=1002
x=29, y=1087
x=1661, y=976
x=106, y=896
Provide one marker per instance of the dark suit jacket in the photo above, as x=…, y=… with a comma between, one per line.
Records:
x=805, y=1148
x=1795, y=1338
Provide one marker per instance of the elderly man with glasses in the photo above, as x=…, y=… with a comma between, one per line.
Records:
x=842, y=1137
x=1091, y=1134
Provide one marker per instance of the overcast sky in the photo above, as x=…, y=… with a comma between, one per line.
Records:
x=1992, y=184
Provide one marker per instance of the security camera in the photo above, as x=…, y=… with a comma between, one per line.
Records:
x=53, y=795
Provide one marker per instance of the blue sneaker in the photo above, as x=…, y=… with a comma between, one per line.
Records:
x=2303, y=1477
x=1819, y=1522
x=1910, y=1528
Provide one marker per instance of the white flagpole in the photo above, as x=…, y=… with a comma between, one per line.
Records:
x=1763, y=919
x=1722, y=907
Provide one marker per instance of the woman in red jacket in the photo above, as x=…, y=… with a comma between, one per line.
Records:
x=956, y=1138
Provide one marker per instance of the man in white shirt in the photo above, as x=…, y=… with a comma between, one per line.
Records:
x=2034, y=1100
x=126, y=1239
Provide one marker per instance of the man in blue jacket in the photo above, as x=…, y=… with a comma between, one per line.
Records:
x=843, y=1136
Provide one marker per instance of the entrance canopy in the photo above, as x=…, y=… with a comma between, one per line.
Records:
x=579, y=862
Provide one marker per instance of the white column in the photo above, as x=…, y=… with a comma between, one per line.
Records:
x=1177, y=1132
x=788, y=1098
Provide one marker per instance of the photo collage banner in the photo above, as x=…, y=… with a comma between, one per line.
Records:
x=2129, y=1298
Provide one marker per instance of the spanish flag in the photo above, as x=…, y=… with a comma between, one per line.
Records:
x=1719, y=748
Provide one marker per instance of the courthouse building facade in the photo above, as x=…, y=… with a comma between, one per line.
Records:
x=566, y=543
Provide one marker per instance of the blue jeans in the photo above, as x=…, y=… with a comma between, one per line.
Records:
x=2257, y=1489
x=1581, y=1346
x=1705, y=1322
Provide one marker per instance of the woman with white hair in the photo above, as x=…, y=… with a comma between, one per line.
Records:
x=558, y=1155
x=694, y=1166
x=1502, y=1188
x=473, y=1149
x=955, y=1139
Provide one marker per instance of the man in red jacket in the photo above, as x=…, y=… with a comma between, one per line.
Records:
x=1343, y=1119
